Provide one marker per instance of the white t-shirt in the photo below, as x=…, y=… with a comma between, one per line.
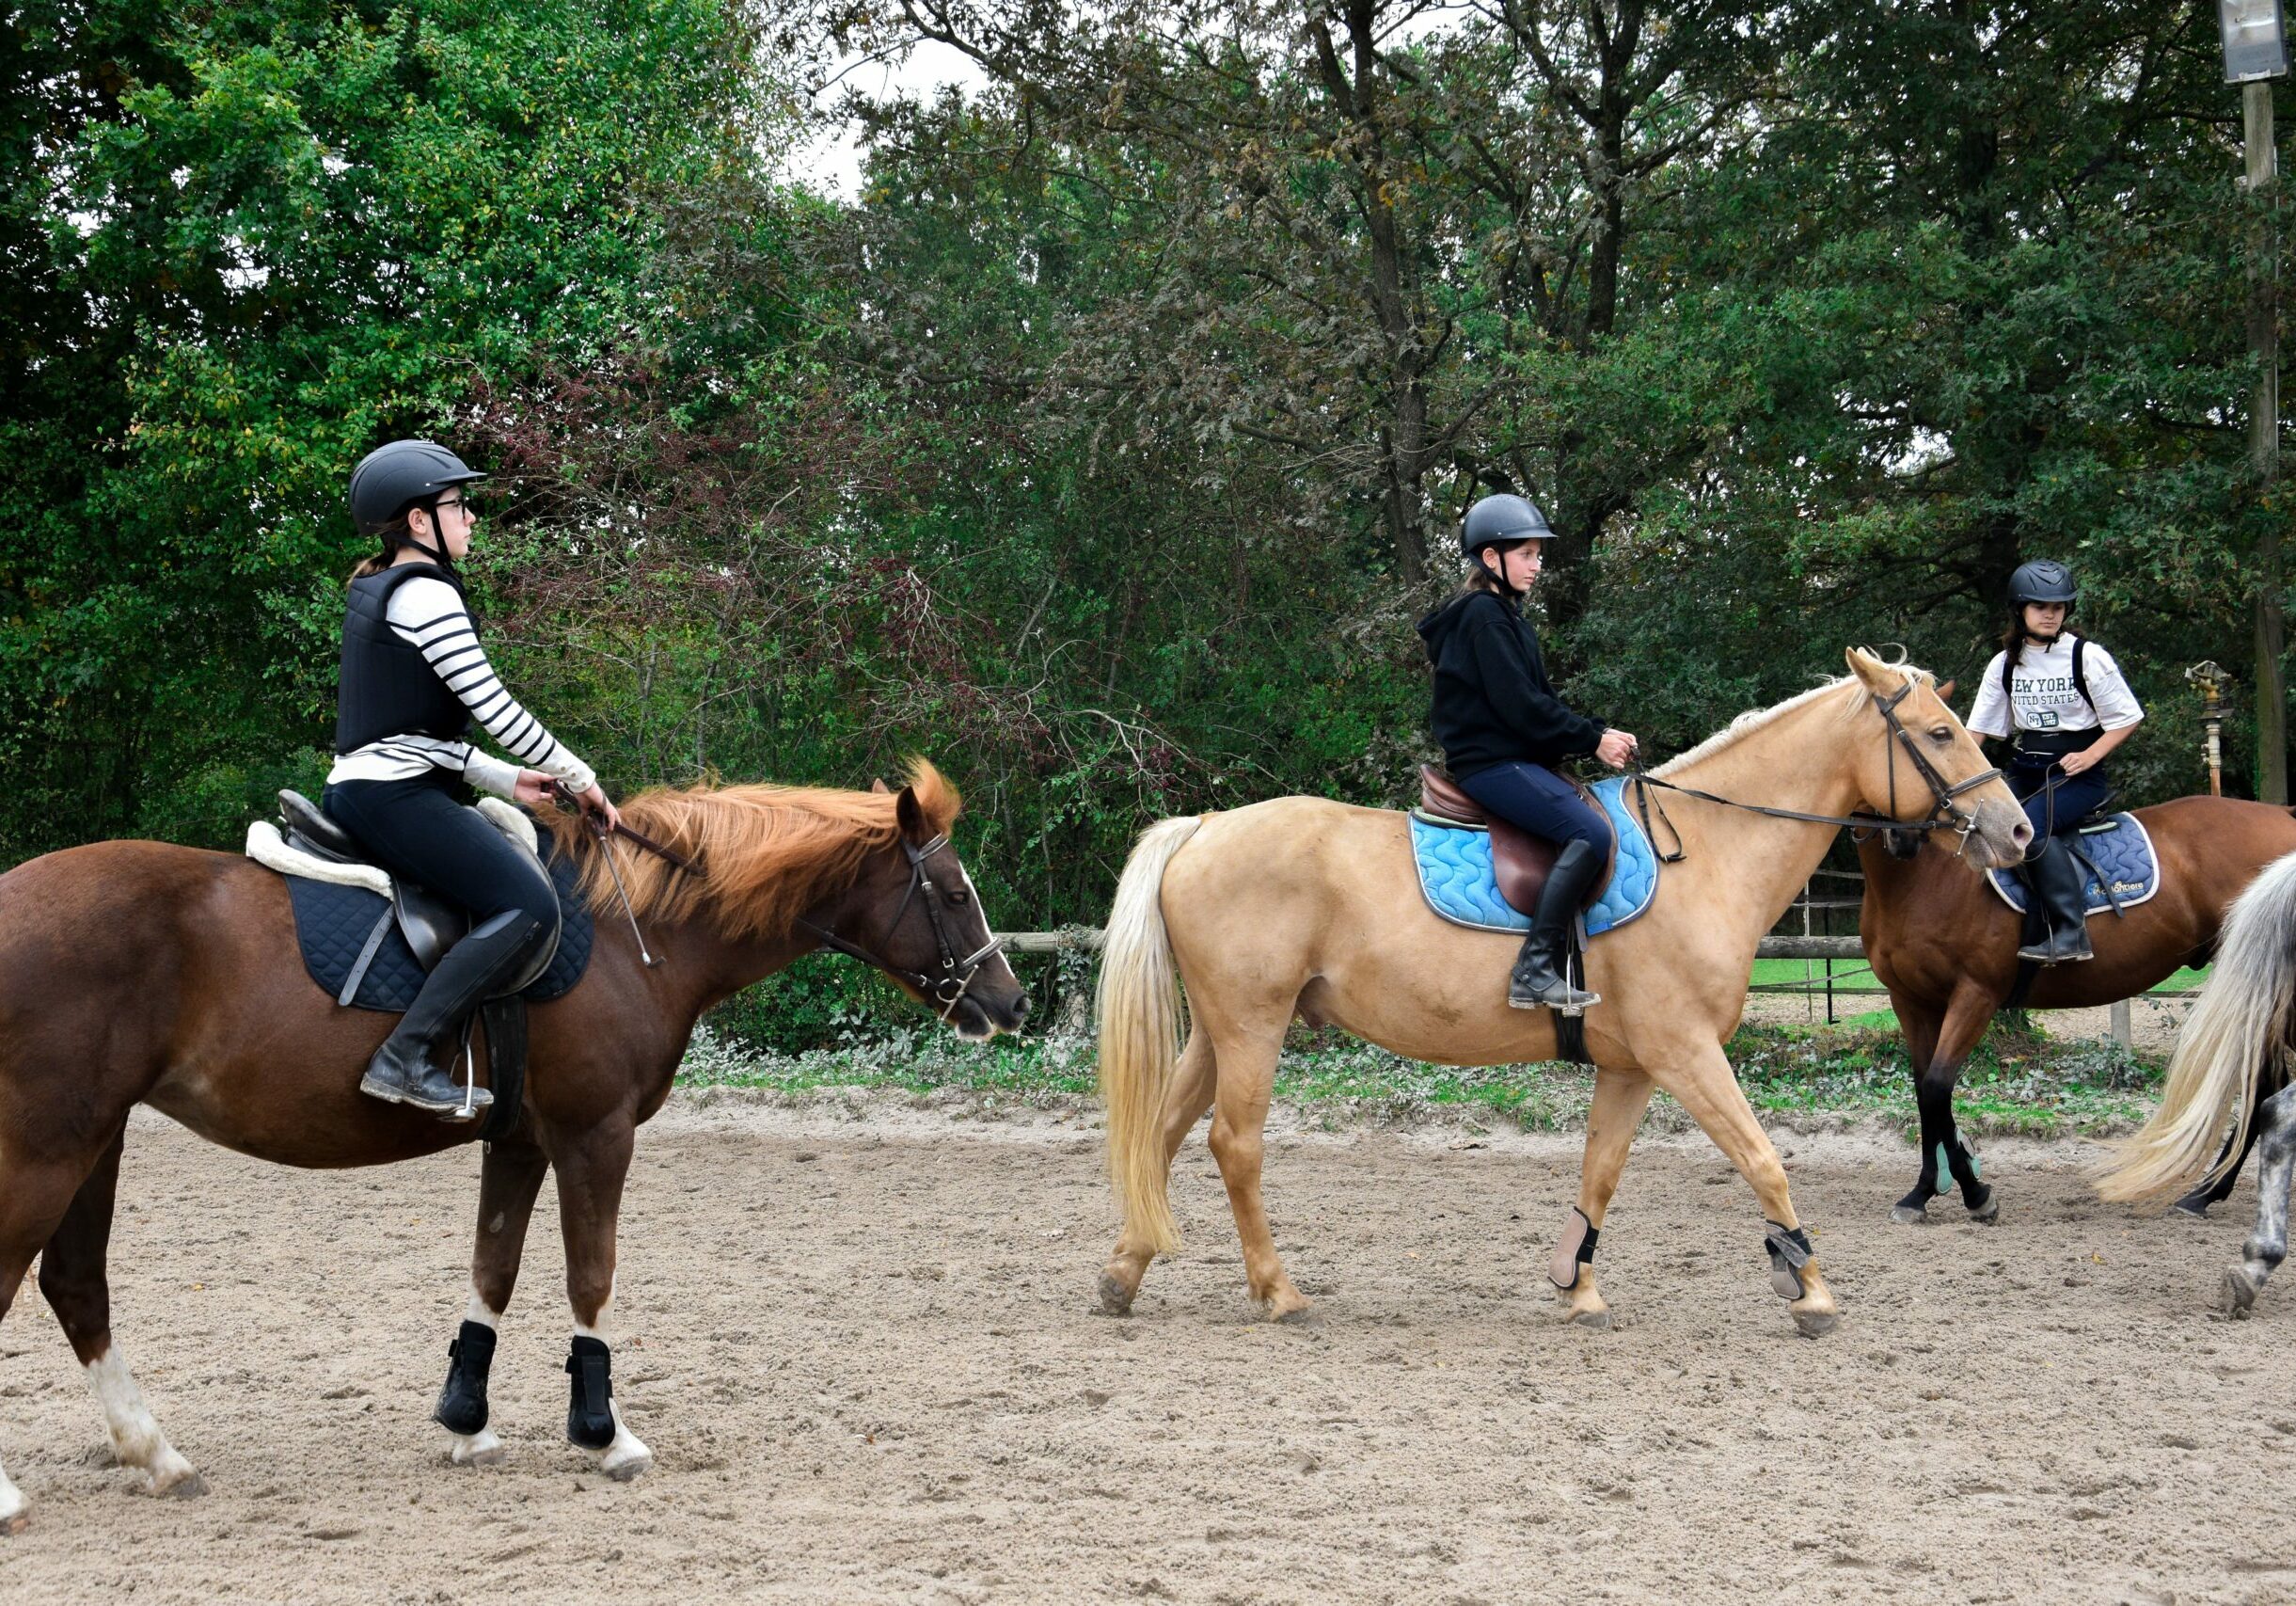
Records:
x=2042, y=696
x=429, y=614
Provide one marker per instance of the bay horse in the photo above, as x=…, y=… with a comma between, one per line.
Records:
x=143, y=973
x=1302, y=906
x=2228, y=1085
x=1945, y=946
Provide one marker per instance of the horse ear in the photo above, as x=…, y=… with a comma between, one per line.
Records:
x=879, y=785
x=1945, y=690
x=911, y=815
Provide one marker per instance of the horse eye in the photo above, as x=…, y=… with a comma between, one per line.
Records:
x=959, y=896
x=1940, y=735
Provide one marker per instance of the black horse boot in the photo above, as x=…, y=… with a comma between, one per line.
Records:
x=1537, y=982
x=404, y=1070
x=2060, y=885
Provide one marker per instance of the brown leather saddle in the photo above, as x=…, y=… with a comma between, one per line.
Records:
x=1519, y=860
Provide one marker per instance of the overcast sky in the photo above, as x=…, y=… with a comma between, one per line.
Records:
x=832, y=165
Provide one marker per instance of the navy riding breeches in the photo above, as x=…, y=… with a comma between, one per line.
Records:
x=1542, y=802
x=2055, y=811
x=414, y=828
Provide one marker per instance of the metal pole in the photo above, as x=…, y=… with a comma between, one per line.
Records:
x=2262, y=182
x=2209, y=676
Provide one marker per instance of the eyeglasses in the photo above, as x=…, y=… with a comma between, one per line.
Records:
x=470, y=509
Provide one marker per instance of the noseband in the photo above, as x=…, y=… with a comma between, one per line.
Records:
x=951, y=978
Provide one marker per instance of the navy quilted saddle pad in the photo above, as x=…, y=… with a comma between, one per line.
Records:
x=332, y=924
x=2121, y=852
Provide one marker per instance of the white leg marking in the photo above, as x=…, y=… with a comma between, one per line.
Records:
x=136, y=1438
x=627, y=1455
x=11, y=1505
x=477, y=1310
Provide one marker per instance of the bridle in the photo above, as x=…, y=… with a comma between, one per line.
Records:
x=1944, y=813
x=951, y=978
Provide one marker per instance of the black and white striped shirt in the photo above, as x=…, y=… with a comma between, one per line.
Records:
x=429, y=614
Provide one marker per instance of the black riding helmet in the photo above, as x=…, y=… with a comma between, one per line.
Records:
x=2044, y=579
x=1501, y=522
x=404, y=474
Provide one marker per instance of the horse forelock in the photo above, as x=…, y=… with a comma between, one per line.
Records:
x=765, y=853
x=1756, y=719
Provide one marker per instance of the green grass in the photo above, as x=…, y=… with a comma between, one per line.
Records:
x=2019, y=1080
x=1783, y=973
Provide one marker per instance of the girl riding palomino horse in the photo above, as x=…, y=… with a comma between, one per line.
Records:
x=414, y=678
x=2069, y=708
x=1503, y=729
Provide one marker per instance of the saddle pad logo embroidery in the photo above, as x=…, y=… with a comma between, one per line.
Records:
x=2122, y=854
x=1456, y=878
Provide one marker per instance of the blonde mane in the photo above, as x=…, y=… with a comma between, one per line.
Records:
x=1755, y=719
x=766, y=854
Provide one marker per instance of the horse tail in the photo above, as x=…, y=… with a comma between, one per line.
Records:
x=2232, y=1034
x=1140, y=1015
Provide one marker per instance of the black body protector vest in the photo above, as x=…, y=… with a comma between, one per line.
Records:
x=388, y=687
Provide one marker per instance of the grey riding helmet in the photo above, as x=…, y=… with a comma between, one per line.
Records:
x=404, y=474
x=1501, y=521
x=2044, y=579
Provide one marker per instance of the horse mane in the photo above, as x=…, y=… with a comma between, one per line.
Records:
x=767, y=853
x=1754, y=719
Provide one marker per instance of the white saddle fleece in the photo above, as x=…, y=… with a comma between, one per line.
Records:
x=268, y=847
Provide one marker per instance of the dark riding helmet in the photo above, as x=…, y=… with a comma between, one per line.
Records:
x=2044, y=579
x=404, y=474
x=1501, y=521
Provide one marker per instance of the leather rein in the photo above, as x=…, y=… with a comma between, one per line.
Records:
x=951, y=978
x=1944, y=813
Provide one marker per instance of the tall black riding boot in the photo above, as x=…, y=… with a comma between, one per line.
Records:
x=2061, y=886
x=404, y=1070
x=1537, y=982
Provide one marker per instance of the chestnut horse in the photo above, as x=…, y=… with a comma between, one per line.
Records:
x=1945, y=946
x=1304, y=906
x=141, y=973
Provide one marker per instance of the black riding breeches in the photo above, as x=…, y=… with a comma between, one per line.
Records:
x=414, y=828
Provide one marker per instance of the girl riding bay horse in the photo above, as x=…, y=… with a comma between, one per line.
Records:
x=141, y=973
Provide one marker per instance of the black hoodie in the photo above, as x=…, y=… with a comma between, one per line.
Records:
x=1492, y=702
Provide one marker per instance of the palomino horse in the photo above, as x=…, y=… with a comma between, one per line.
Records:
x=1302, y=906
x=140, y=973
x=2227, y=1086
x=1945, y=946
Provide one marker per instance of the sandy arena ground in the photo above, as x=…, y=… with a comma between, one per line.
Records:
x=865, y=1357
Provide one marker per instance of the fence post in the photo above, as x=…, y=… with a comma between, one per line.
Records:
x=2122, y=1032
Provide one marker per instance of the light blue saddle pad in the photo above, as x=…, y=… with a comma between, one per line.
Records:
x=2121, y=852
x=1456, y=877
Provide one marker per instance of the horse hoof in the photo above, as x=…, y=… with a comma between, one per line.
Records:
x=1115, y=1298
x=1594, y=1321
x=15, y=1524
x=621, y=1471
x=1987, y=1213
x=1909, y=1215
x=186, y=1484
x=1300, y=1315
x=2193, y=1209
x=2240, y=1295
x=479, y=1449
x=1816, y=1324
